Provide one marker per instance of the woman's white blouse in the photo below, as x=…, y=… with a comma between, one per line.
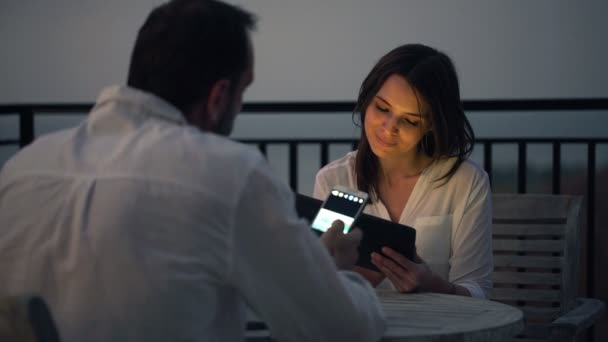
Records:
x=453, y=220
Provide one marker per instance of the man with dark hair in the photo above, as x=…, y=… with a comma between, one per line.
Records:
x=184, y=48
x=145, y=223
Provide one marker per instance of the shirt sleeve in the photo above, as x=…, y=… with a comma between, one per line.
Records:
x=471, y=264
x=288, y=278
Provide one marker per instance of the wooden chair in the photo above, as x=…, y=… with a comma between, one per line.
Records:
x=26, y=319
x=536, y=257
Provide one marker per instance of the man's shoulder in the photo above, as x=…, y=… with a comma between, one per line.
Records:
x=219, y=148
x=210, y=160
x=39, y=152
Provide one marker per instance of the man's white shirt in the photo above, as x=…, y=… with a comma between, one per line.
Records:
x=137, y=226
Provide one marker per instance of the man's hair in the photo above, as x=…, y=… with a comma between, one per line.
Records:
x=185, y=46
x=432, y=75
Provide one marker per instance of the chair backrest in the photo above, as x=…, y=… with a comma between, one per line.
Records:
x=26, y=319
x=536, y=251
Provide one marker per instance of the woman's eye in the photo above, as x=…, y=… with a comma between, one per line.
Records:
x=382, y=109
x=409, y=122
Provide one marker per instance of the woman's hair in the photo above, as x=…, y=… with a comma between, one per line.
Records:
x=433, y=77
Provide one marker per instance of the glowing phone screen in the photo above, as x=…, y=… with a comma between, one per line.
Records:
x=338, y=206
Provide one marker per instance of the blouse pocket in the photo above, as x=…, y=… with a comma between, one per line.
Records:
x=433, y=238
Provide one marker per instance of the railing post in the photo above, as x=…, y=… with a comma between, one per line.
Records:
x=557, y=167
x=262, y=148
x=521, y=168
x=591, y=218
x=293, y=166
x=487, y=159
x=26, y=127
x=324, y=153
x=591, y=227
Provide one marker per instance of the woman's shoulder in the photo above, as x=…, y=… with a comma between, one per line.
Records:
x=341, y=165
x=468, y=171
x=469, y=181
x=471, y=168
x=338, y=172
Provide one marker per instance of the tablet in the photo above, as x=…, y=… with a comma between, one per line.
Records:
x=377, y=232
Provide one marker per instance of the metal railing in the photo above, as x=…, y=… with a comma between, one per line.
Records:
x=27, y=113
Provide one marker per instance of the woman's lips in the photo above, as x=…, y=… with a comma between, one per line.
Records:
x=384, y=142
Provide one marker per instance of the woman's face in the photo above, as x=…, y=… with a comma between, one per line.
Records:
x=394, y=123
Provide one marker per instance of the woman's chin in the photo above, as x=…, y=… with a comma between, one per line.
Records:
x=381, y=152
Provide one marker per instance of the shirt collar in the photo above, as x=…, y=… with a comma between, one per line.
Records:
x=147, y=103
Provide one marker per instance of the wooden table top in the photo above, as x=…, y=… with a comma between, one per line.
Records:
x=433, y=317
x=425, y=317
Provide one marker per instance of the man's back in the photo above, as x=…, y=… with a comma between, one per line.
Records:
x=117, y=219
x=136, y=226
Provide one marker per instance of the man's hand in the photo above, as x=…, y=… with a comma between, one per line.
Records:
x=373, y=277
x=342, y=247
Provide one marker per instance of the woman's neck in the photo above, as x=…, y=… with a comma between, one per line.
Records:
x=394, y=171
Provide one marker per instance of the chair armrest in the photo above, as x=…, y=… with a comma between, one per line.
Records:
x=585, y=314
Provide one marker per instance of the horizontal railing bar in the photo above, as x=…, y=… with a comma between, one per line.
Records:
x=468, y=105
x=547, y=140
x=350, y=141
x=76, y=108
x=535, y=104
x=480, y=140
x=270, y=141
x=348, y=106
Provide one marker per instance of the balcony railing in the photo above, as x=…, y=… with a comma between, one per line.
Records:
x=28, y=112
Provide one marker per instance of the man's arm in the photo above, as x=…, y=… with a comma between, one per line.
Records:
x=287, y=276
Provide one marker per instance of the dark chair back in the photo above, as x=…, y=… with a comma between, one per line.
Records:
x=26, y=319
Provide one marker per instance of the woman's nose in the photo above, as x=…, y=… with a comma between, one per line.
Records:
x=390, y=124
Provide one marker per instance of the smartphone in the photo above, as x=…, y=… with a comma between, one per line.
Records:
x=342, y=204
x=377, y=232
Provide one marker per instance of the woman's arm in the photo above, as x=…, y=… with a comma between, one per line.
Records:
x=407, y=275
x=471, y=263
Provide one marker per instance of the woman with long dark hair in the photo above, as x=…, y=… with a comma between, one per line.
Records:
x=412, y=159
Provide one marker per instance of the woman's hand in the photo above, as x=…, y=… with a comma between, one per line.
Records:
x=406, y=275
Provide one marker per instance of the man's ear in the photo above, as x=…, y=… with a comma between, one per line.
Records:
x=218, y=100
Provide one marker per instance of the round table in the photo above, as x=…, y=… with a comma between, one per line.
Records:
x=440, y=317
x=425, y=317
